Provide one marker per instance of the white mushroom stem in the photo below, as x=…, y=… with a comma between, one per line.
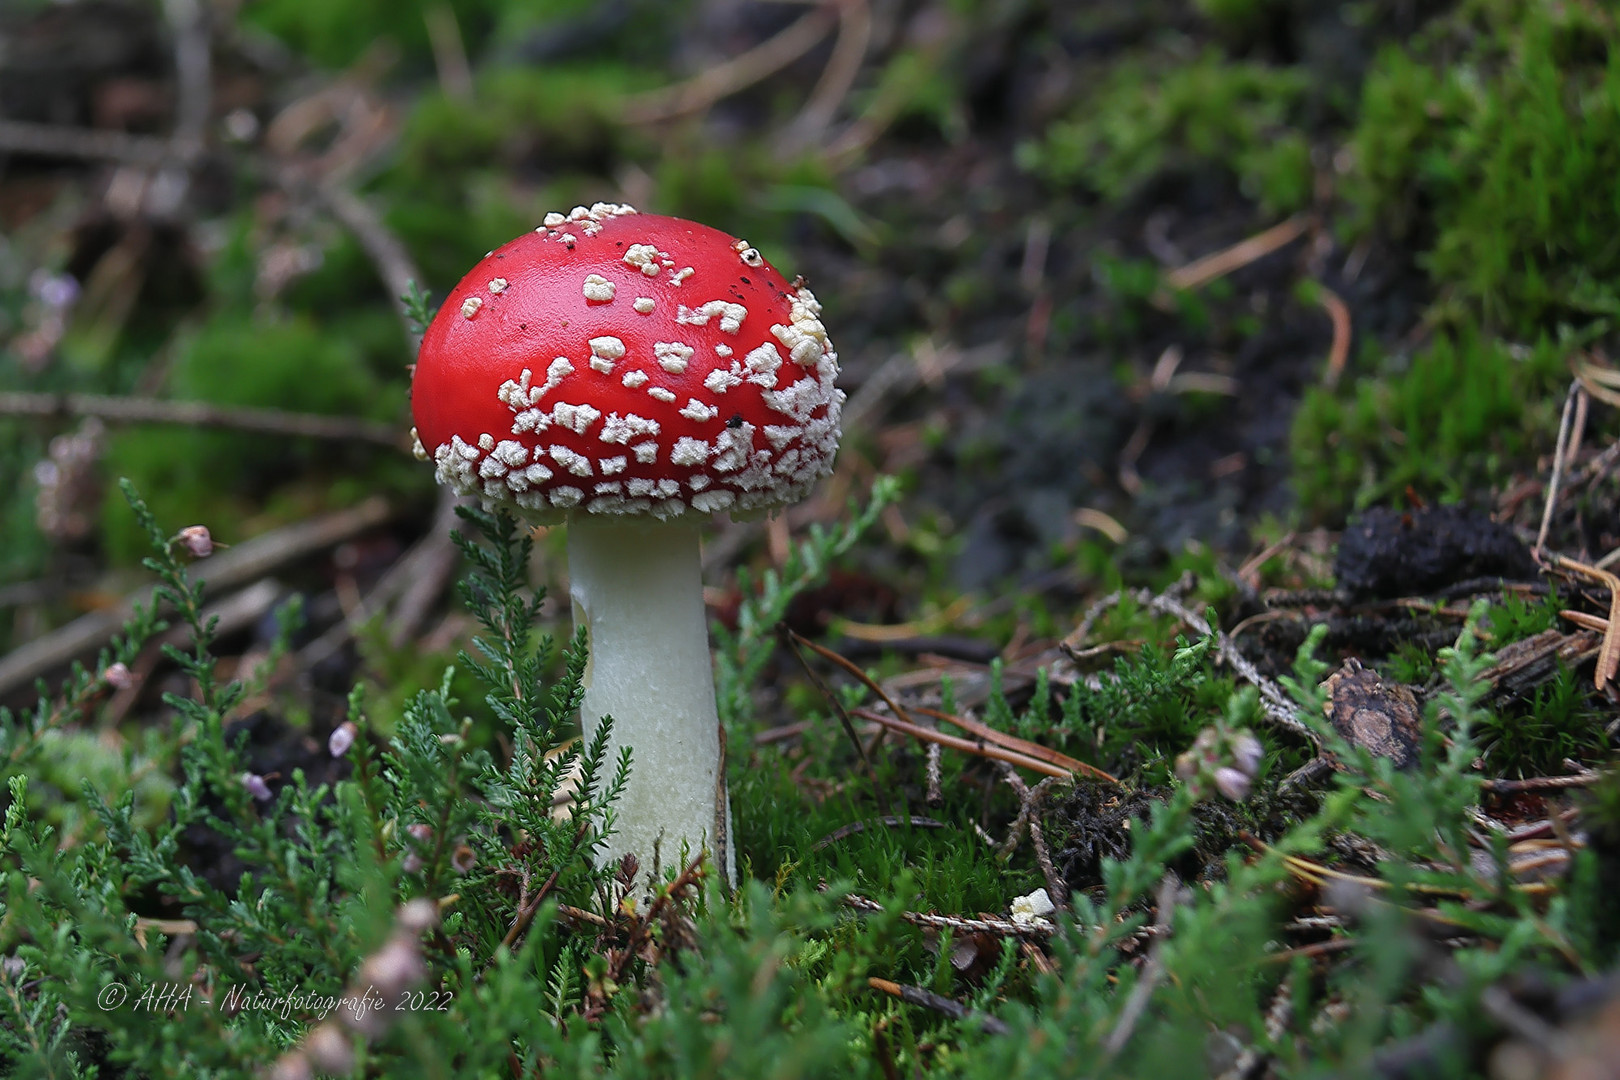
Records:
x=637, y=590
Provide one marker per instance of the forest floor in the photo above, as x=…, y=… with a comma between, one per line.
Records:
x=1241, y=369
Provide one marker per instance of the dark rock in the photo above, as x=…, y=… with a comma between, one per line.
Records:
x=1387, y=553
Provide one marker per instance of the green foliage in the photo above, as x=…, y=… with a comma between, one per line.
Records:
x=1489, y=145
x=1144, y=121
x=1594, y=916
x=1146, y=710
x=338, y=35
x=536, y=718
x=740, y=655
x=1533, y=738
x=1239, y=16
x=449, y=190
x=1492, y=143
x=1519, y=616
x=417, y=309
x=775, y=1025
x=324, y=867
x=770, y=982
x=290, y=361
x=1446, y=421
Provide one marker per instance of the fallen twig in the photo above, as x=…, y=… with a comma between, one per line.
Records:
x=849, y=51
x=526, y=912
x=1339, y=352
x=914, y=995
x=245, y=562
x=1608, y=660
x=86, y=144
x=794, y=640
x=134, y=410
x=1077, y=638
x=1017, y=745
x=957, y=923
x=1278, y=1016
x=1559, y=449
x=892, y=821
x=387, y=254
x=1029, y=820
x=1218, y=264
x=1142, y=992
x=1585, y=778
x=735, y=75
x=935, y=795
x=1273, y=701
x=417, y=578
x=976, y=746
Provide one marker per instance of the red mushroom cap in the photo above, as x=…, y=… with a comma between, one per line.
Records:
x=628, y=363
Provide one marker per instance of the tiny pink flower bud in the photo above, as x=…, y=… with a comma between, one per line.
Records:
x=1247, y=753
x=413, y=863
x=292, y=1066
x=342, y=738
x=418, y=916
x=396, y=966
x=197, y=540
x=118, y=676
x=463, y=859
x=328, y=1049
x=256, y=787
x=1231, y=783
x=419, y=832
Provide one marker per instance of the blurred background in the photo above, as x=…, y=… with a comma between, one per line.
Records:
x=1115, y=285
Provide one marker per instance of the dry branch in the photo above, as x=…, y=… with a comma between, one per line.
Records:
x=958, y=923
x=1608, y=661
x=973, y=746
x=736, y=74
x=849, y=53
x=915, y=995
x=1339, y=354
x=1559, y=451
x=1219, y=264
x=135, y=410
x=247, y=561
x=387, y=254
x=416, y=579
x=1017, y=745
x=1273, y=701
x=85, y=144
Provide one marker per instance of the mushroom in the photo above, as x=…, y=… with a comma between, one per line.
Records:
x=632, y=374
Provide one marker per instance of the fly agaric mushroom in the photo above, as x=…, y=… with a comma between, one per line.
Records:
x=632, y=374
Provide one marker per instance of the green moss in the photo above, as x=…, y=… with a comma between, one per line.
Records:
x=291, y=363
x=335, y=35
x=472, y=174
x=1493, y=145
x=1533, y=737
x=565, y=115
x=1446, y=421
x=1519, y=617
x=1240, y=18
x=703, y=186
x=1151, y=117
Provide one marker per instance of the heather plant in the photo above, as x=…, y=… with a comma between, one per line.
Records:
x=432, y=913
